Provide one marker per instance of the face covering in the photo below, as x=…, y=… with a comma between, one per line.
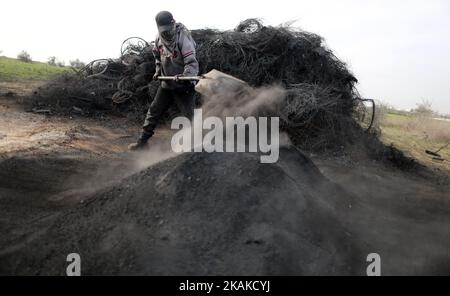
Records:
x=168, y=35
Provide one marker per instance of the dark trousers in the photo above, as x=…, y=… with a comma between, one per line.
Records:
x=184, y=98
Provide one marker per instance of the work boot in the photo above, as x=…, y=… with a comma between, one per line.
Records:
x=139, y=145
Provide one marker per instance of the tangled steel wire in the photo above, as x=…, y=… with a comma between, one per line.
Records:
x=321, y=103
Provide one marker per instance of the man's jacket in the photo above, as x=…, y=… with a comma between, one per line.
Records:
x=176, y=57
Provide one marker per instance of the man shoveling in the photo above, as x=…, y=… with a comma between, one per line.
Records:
x=174, y=53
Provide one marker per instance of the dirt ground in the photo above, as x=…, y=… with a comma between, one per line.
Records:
x=69, y=185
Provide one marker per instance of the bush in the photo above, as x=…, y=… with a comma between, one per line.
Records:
x=430, y=129
x=24, y=56
x=53, y=61
x=60, y=63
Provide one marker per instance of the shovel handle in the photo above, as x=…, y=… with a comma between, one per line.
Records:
x=180, y=78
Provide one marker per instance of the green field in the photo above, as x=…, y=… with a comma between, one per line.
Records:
x=415, y=134
x=13, y=70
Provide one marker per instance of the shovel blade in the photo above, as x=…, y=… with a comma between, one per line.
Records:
x=215, y=82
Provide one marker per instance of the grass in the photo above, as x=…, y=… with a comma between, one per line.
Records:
x=416, y=134
x=13, y=70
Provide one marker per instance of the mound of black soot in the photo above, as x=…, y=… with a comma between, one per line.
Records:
x=200, y=213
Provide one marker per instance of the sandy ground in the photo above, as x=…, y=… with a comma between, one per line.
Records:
x=68, y=182
x=30, y=132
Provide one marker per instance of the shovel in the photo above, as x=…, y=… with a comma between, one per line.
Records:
x=211, y=83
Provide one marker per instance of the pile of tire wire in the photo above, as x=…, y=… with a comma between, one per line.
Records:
x=322, y=107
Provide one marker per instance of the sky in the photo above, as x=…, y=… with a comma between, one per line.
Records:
x=399, y=50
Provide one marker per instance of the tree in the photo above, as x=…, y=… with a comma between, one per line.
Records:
x=424, y=109
x=77, y=64
x=24, y=56
x=51, y=61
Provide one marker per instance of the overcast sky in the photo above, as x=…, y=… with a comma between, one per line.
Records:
x=399, y=50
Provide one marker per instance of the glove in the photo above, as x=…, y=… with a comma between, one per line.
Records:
x=177, y=77
x=156, y=75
